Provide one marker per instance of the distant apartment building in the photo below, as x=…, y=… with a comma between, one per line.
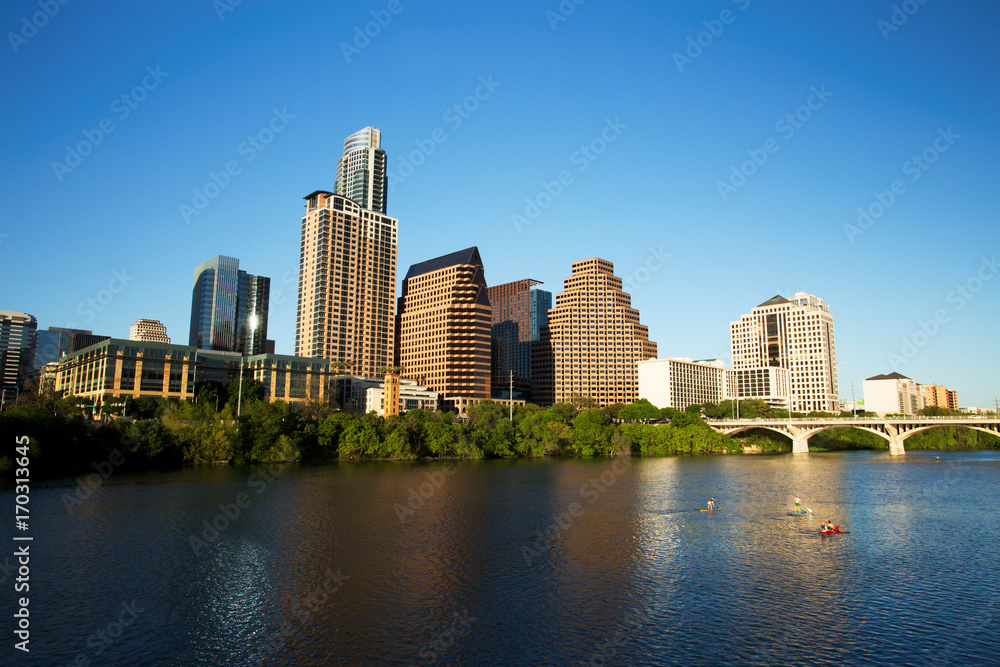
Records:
x=399, y=398
x=892, y=394
x=937, y=395
x=797, y=335
x=148, y=331
x=444, y=324
x=520, y=309
x=229, y=308
x=347, y=285
x=362, y=175
x=116, y=367
x=17, y=352
x=678, y=382
x=593, y=341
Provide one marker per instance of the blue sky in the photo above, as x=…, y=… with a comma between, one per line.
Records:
x=666, y=98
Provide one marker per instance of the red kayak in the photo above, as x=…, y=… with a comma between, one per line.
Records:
x=836, y=529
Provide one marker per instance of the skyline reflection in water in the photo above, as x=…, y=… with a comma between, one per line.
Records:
x=528, y=562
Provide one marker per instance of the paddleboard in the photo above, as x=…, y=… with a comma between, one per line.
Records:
x=715, y=510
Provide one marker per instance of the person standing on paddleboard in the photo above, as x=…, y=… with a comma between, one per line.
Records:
x=798, y=506
x=711, y=504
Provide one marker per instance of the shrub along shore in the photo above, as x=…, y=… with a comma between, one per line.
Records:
x=168, y=433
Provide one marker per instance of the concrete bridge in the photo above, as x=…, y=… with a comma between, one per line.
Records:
x=894, y=429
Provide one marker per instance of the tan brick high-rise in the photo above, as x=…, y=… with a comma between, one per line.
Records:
x=593, y=342
x=347, y=284
x=444, y=320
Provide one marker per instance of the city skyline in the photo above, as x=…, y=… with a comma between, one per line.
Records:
x=745, y=157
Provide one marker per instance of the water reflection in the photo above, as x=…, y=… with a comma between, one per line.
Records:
x=323, y=567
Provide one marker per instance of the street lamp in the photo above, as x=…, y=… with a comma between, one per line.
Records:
x=239, y=400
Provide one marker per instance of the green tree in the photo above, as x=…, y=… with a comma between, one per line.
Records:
x=641, y=410
x=253, y=391
x=592, y=433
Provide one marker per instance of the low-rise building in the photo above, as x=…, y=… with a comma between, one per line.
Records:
x=117, y=367
x=408, y=394
x=892, y=393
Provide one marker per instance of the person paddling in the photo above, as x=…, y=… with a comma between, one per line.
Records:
x=711, y=504
x=798, y=506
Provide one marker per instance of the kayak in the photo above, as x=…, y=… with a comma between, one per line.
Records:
x=715, y=510
x=830, y=532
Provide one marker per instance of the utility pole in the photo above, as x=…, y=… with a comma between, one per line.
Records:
x=512, y=397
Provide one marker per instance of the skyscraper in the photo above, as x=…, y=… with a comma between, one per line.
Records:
x=229, y=308
x=594, y=341
x=148, y=331
x=444, y=327
x=519, y=311
x=795, y=334
x=361, y=170
x=347, y=284
x=17, y=345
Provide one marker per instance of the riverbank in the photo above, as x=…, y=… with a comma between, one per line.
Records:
x=195, y=434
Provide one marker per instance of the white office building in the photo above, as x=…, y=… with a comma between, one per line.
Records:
x=678, y=382
x=797, y=335
x=768, y=383
x=893, y=394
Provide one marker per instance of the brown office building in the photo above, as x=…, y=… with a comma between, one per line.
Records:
x=347, y=284
x=444, y=319
x=593, y=342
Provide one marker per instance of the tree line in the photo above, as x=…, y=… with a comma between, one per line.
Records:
x=170, y=433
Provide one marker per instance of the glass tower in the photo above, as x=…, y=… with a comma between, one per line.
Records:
x=361, y=171
x=519, y=311
x=229, y=308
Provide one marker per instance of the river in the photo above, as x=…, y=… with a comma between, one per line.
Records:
x=548, y=562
